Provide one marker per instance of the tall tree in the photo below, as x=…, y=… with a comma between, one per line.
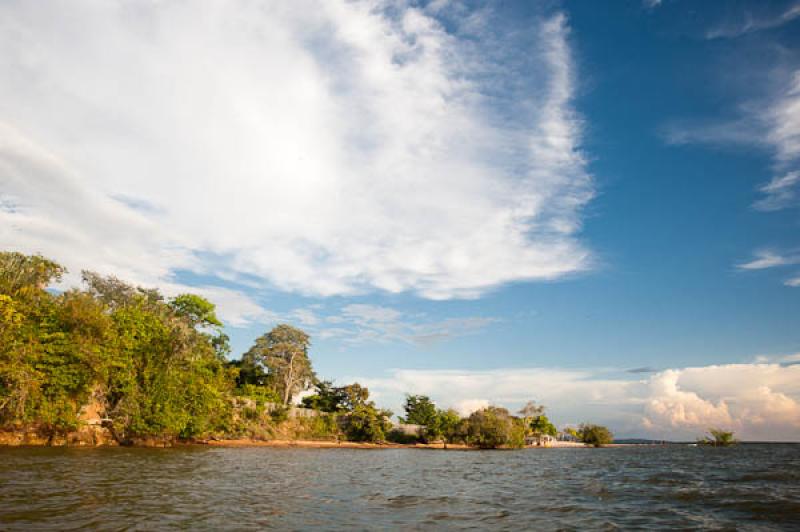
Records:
x=284, y=352
x=531, y=410
x=420, y=410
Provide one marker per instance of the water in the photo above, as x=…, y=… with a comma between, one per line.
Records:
x=748, y=487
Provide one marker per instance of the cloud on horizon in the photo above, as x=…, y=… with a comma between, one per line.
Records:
x=759, y=401
x=326, y=148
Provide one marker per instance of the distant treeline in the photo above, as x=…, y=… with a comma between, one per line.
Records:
x=157, y=367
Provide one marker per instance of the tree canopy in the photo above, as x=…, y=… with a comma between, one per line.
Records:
x=594, y=435
x=283, y=352
x=420, y=410
x=493, y=427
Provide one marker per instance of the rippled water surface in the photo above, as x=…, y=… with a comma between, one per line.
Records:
x=746, y=487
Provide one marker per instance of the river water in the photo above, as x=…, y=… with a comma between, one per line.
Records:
x=748, y=487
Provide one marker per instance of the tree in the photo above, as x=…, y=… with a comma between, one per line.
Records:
x=353, y=396
x=144, y=366
x=420, y=410
x=490, y=428
x=531, y=410
x=541, y=426
x=719, y=438
x=367, y=423
x=328, y=398
x=284, y=353
x=116, y=293
x=199, y=311
x=26, y=273
x=445, y=426
x=594, y=435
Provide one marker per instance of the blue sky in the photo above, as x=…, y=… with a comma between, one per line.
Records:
x=589, y=204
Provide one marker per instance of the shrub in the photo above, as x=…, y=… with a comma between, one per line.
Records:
x=594, y=435
x=366, y=423
x=492, y=427
x=279, y=414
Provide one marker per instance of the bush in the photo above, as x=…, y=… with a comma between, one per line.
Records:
x=260, y=394
x=279, y=414
x=322, y=427
x=492, y=427
x=594, y=435
x=398, y=436
x=719, y=438
x=366, y=423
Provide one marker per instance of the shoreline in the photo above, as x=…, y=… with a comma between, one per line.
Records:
x=332, y=444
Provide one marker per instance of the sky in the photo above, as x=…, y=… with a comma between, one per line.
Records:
x=593, y=205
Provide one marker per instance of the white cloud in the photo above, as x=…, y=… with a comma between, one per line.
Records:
x=748, y=22
x=234, y=308
x=772, y=124
x=363, y=323
x=780, y=193
x=759, y=401
x=325, y=147
x=651, y=4
x=768, y=259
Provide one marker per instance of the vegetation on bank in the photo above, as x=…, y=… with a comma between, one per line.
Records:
x=158, y=367
x=718, y=438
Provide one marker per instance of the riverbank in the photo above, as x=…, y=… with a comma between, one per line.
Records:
x=100, y=437
x=332, y=444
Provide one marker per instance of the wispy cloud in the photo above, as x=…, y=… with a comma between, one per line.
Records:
x=768, y=259
x=324, y=147
x=749, y=21
x=794, y=282
x=364, y=323
x=651, y=4
x=643, y=369
x=771, y=124
x=771, y=259
x=759, y=401
x=783, y=191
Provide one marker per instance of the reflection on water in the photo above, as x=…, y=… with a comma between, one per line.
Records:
x=749, y=486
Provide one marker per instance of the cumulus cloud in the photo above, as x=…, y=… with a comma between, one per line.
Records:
x=759, y=401
x=324, y=147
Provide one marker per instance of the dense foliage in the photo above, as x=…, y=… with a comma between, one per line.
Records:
x=594, y=435
x=493, y=427
x=420, y=410
x=152, y=367
x=719, y=438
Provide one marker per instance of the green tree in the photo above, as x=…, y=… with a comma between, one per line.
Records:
x=420, y=410
x=367, y=423
x=284, y=353
x=541, y=426
x=196, y=309
x=490, y=428
x=594, y=435
x=29, y=274
x=444, y=426
x=719, y=438
x=328, y=398
x=353, y=396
